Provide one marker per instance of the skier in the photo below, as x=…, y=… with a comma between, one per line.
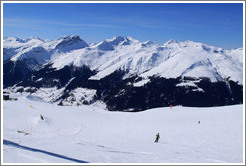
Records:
x=157, y=137
x=41, y=117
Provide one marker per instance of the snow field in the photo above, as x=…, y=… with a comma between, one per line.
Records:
x=95, y=135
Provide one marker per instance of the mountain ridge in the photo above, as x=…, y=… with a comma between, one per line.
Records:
x=123, y=68
x=125, y=53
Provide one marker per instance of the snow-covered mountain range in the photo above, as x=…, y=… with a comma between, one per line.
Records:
x=117, y=60
x=170, y=60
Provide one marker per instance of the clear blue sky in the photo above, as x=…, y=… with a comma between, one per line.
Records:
x=217, y=24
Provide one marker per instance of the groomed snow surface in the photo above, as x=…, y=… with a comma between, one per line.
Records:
x=71, y=134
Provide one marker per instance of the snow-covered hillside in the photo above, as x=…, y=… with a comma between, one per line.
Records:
x=94, y=135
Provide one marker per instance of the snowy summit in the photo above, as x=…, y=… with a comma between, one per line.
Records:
x=124, y=69
x=128, y=54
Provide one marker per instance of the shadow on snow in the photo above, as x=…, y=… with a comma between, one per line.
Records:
x=10, y=143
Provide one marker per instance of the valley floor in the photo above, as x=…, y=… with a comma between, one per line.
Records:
x=69, y=134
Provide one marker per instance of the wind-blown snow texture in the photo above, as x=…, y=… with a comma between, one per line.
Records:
x=124, y=69
x=94, y=135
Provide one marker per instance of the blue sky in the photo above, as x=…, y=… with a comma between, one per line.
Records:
x=217, y=24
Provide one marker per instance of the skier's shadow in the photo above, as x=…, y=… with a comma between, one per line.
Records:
x=161, y=142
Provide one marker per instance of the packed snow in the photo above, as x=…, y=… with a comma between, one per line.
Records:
x=38, y=132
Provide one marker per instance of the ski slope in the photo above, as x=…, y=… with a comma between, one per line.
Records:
x=71, y=134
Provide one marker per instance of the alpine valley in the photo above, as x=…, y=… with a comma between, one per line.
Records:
x=122, y=73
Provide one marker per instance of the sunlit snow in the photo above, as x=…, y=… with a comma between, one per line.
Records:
x=91, y=134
